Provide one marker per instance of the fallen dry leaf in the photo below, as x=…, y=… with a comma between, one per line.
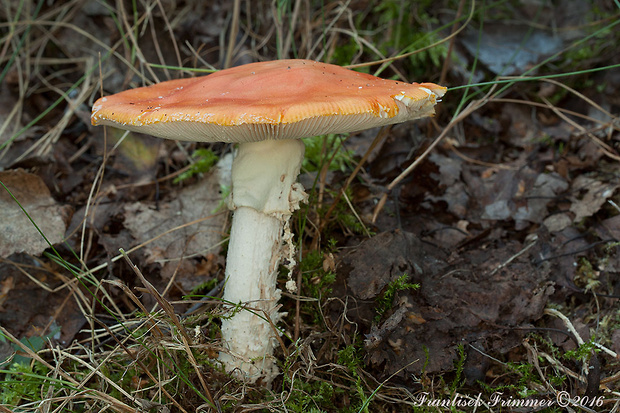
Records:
x=545, y=189
x=595, y=195
x=18, y=234
x=163, y=228
x=384, y=258
x=475, y=298
x=30, y=310
x=511, y=51
x=610, y=228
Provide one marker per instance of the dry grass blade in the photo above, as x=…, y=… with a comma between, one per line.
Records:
x=91, y=271
x=477, y=162
x=340, y=9
x=606, y=149
x=383, y=133
x=154, y=327
x=145, y=369
x=44, y=145
x=387, y=61
x=444, y=69
x=232, y=35
x=117, y=405
x=106, y=349
x=567, y=323
x=472, y=107
x=169, y=310
x=562, y=110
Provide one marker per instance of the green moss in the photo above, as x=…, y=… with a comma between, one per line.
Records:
x=316, y=280
x=202, y=287
x=393, y=27
x=587, y=277
x=384, y=301
x=350, y=358
x=22, y=383
x=581, y=353
x=329, y=149
x=458, y=369
x=315, y=396
x=342, y=217
x=203, y=161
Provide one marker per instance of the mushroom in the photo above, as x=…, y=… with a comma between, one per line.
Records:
x=265, y=108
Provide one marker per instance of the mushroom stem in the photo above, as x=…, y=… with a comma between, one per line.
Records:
x=264, y=195
x=251, y=273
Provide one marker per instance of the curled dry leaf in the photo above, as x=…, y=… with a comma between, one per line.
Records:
x=17, y=233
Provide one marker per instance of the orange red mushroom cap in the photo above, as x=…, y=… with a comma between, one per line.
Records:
x=281, y=99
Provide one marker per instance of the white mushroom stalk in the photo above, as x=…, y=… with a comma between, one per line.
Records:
x=264, y=107
x=264, y=196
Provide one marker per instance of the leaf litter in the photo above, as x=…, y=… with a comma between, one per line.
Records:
x=469, y=298
x=514, y=212
x=190, y=224
x=508, y=228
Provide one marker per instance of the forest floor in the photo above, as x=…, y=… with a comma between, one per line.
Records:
x=466, y=262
